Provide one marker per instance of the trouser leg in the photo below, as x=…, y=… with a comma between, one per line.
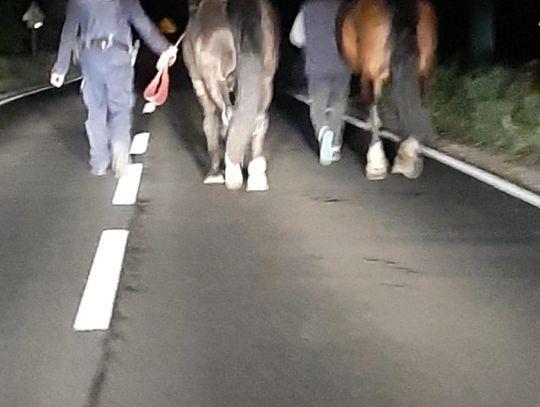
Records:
x=94, y=96
x=120, y=104
x=319, y=93
x=338, y=106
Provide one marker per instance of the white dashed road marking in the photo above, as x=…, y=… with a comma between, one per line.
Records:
x=96, y=306
x=140, y=143
x=128, y=186
x=149, y=108
x=97, y=303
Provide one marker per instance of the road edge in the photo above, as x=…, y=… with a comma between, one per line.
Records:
x=524, y=192
x=16, y=95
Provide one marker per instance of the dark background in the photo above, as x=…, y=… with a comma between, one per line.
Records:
x=464, y=25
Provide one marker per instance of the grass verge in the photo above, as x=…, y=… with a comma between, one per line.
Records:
x=497, y=108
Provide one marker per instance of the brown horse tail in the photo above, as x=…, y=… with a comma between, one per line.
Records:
x=414, y=119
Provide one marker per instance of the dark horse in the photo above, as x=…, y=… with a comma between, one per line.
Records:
x=392, y=40
x=231, y=52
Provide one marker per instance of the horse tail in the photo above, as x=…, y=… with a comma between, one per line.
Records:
x=245, y=17
x=414, y=119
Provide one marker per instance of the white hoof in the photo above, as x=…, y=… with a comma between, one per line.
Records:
x=408, y=160
x=215, y=179
x=257, y=179
x=233, y=175
x=376, y=168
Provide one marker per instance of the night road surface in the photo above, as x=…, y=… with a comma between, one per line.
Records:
x=328, y=290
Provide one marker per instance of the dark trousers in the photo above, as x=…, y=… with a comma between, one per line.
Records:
x=108, y=97
x=329, y=98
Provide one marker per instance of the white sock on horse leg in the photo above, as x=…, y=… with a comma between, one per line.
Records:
x=376, y=168
x=233, y=174
x=408, y=160
x=257, y=179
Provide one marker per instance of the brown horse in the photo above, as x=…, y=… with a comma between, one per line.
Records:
x=394, y=40
x=231, y=51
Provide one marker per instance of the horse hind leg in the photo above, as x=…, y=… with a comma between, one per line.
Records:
x=377, y=164
x=234, y=178
x=257, y=178
x=409, y=161
x=211, y=128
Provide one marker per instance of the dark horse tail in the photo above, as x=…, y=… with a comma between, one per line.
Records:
x=414, y=119
x=245, y=17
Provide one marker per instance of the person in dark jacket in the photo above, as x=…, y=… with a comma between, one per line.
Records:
x=102, y=31
x=328, y=76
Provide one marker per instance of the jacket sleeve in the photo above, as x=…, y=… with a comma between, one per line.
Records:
x=146, y=29
x=297, y=35
x=67, y=39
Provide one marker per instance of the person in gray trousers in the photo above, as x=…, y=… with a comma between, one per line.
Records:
x=328, y=76
x=102, y=29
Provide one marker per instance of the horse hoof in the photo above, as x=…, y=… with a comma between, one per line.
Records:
x=233, y=185
x=411, y=168
x=376, y=174
x=233, y=175
x=257, y=180
x=376, y=168
x=214, y=179
x=234, y=179
x=257, y=183
x=408, y=162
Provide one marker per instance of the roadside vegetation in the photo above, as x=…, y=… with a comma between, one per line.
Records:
x=497, y=108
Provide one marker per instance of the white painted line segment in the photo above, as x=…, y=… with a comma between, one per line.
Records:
x=128, y=186
x=139, y=145
x=34, y=91
x=468, y=169
x=484, y=176
x=149, y=108
x=97, y=303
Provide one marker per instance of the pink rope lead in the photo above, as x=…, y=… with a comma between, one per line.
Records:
x=157, y=90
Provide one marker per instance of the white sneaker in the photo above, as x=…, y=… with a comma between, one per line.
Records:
x=326, y=139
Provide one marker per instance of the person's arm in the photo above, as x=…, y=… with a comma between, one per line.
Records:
x=146, y=29
x=67, y=39
x=297, y=35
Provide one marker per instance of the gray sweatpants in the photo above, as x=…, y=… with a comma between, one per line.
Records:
x=108, y=96
x=329, y=97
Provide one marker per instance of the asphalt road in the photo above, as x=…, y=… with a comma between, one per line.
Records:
x=329, y=290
